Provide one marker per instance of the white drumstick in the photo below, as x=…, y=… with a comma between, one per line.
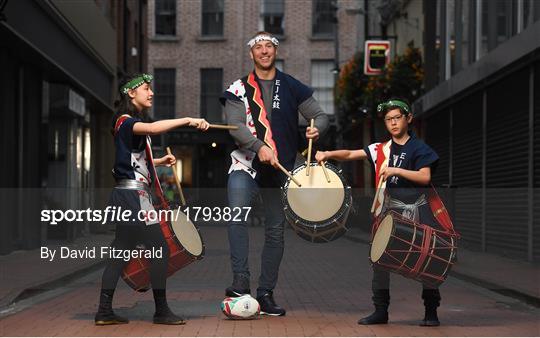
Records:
x=310, y=144
x=286, y=172
x=378, y=188
x=323, y=165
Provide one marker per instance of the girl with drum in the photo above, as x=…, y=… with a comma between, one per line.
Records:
x=405, y=164
x=135, y=173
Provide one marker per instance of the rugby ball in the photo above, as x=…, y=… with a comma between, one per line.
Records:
x=244, y=307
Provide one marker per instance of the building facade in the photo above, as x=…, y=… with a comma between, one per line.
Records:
x=61, y=60
x=481, y=113
x=197, y=48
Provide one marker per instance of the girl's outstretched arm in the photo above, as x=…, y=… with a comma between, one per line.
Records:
x=163, y=126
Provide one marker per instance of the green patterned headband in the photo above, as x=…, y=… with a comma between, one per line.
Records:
x=136, y=82
x=385, y=106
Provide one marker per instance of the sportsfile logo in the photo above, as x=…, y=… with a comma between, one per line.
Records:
x=109, y=214
x=114, y=214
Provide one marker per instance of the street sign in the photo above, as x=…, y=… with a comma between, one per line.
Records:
x=377, y=56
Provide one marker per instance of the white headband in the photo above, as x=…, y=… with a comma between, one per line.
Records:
x=260, y=38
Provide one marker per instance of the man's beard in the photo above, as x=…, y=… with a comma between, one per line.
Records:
x=269, y=67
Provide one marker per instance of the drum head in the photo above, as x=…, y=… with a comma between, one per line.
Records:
x=316, y=200
x=381, y=238
x=187, y=234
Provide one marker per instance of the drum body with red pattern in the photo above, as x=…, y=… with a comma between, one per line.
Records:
x=413, y=250
x=185, y=246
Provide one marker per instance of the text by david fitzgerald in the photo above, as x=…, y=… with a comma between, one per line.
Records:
x=99, y=252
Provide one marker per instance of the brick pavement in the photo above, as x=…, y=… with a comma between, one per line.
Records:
x=24, y=270
x=325, y=289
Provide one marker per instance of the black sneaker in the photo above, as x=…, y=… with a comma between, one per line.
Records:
x=269, y=306
x=239, y=287
x=109, y=318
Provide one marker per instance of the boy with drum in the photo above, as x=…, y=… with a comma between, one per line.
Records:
x=407, y=174
x=136, y=188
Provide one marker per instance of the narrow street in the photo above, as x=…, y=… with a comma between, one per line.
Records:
x=325, y=289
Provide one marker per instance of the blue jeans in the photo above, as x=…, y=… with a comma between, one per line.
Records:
x=242, y=190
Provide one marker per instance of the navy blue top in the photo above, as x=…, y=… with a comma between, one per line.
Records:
x=130, y=160
x=288, y=94
x=413, y=155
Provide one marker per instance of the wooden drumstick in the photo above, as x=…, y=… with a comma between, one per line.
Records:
x=381, y=184
x=178, y=186
x=223, y=126
x=310, y=144
x=323, y=165
x=377, y=194
x=286, y=172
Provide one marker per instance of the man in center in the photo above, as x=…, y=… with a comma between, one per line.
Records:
x=264, y=105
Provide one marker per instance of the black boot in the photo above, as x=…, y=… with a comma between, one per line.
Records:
x=380, y=316
x=163, y=314
x=432, y=300
x=430, y=318
x=105, y=314
x=239, y=287
x=381, y=299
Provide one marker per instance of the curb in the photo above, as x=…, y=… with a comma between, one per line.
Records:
x=33, y=291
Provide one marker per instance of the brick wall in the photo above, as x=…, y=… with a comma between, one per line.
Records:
x=188, y=52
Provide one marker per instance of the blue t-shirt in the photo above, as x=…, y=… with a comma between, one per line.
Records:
x=413, y=155
x=131, y=152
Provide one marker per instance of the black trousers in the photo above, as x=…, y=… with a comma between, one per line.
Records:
x=380, y=285
x=127, y=238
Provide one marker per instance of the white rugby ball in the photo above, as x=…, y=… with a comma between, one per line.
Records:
x=244, y=307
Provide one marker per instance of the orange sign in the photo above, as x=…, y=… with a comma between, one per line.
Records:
x=377, y=56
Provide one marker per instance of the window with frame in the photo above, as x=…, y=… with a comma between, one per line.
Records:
x=273, y=16
x=322, y=82
x=211, y=90
x=324, y=18
x=164, y=93
x=212, y=17
x=165, y=17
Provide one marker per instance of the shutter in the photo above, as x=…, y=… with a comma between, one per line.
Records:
x=438, y=138
x=536, y=180
x=467, y=169
x=507, y=165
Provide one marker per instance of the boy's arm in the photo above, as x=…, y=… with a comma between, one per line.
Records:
x=420, y=177
x=341, y=155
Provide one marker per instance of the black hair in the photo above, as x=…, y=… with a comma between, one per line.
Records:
x=123, y=104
